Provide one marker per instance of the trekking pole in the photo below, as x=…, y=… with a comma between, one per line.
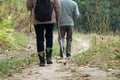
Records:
x=30, y=36
x=61, y=42
x=61, y=45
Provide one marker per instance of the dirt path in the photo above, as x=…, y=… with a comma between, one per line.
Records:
x=57, y=71
x=50, y=72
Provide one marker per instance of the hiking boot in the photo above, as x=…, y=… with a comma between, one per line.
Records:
x=41, y=58
x=48, y=55
x=49, y=61
x=68, y=55
x=61, y=55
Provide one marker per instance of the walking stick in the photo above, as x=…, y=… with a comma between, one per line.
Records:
x=30, y=36
x=60, y=40
x=61, y=45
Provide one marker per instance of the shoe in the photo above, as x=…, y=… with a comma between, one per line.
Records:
x=41, y=58
x=49, y=61
x=42, y=64
x=48, y=55
x=61, y=55
x=68, y=55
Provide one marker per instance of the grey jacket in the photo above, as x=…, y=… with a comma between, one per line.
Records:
x=69, y=12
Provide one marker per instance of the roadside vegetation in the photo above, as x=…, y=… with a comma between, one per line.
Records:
x=12, y=23
x=11, y=66
x=103, y=53
x=98, y=19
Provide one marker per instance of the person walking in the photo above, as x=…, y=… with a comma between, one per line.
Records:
x=44, y=29
x=69, y=12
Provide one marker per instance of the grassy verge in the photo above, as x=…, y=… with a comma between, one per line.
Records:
x=8, y=67
x=11, y=66
x=104, y=52
x=20, y=39
x=55, y=49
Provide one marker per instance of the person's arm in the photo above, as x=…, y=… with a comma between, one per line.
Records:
x=57, y=8
x=29, y=4
x=76, y=12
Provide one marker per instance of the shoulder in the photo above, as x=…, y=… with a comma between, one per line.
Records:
x=73, y=2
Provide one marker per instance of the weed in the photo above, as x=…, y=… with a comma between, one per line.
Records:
x=118, y=56
x=104, y=54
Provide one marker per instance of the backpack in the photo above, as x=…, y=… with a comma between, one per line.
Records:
x=43, y=10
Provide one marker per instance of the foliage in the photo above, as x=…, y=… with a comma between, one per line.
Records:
x=13, y=13
x=19, y=10
x=9, y=67
x=6, y=32
x=55, y=49
x=20, y=39
x=98, y=16
x=104, y=52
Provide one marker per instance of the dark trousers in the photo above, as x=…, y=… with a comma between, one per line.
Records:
x=66, y=30
x=44, y=31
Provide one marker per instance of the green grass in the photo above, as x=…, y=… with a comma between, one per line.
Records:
x=55, y=49
x=20, y=39
x=104, y=53
x=15, y=65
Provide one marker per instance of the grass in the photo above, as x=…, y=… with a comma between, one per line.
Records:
x=104, y=53
x=55, y=49
x=14, y=65
x=20, y=39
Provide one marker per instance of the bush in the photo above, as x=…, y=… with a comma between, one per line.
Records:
x=13, y=13
x=6, y=32
x=98, y=16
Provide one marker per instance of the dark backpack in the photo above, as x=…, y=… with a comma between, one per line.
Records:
x=43, y=10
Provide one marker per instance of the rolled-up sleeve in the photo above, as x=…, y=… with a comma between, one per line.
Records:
x=29, y=4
